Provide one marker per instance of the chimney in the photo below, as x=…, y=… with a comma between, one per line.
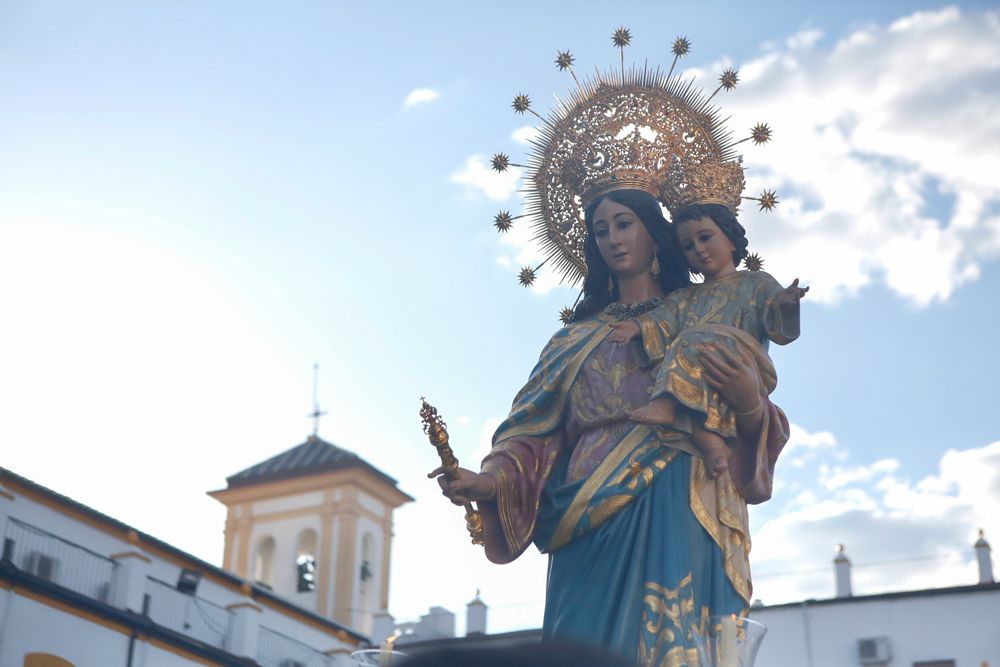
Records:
x=982, y=548
x=475, y=617
x=383, y=627
x=842, y=570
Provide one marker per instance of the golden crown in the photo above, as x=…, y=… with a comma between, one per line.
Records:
x=625, y=130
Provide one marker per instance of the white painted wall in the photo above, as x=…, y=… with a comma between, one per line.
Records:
x=27, y=625
x=31, y=626
x=300, y=501
x=963, y=627
x=371, y=504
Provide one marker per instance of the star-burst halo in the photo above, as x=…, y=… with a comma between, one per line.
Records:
x=558, y=210
x=584, y=133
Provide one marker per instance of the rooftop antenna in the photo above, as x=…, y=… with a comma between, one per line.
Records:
x=316, y=413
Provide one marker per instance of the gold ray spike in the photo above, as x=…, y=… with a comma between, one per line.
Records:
x=503, y=220
x=768, y=200
x=753, y=262
x=501, y=161
x=621, y=38
x=522, y=103
x=759, y=133
x=566, y=316
x=727, y=80
x=564, y=60
x=527, y=276
x=680, y=49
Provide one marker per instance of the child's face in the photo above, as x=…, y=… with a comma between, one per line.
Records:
x=707, y=248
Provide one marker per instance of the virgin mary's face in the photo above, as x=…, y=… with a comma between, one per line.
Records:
x=622, y=239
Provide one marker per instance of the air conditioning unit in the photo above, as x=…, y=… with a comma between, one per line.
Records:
x=41, y=565
x=874, y=651
x=288, y=662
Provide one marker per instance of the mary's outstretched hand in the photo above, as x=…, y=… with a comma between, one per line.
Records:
x=467, y=486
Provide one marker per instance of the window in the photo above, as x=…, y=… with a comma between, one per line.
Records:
x=305, y=562
x=306, y=567
x=263, y=561
x=41, y=565
x=935, y=663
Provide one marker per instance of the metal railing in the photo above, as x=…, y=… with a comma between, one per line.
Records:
x=188, y=614
x=60, y=561
x=514, y=617
x=277, y=650
x=904, y=574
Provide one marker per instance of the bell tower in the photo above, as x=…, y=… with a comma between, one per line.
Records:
x=314, y=523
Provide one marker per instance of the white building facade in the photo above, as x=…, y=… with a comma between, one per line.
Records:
x=81, y=589
x=948, y=627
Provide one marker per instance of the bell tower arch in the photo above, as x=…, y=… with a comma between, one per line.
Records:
x=314, y=523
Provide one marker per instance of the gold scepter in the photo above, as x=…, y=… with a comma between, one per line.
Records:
x=437, y=433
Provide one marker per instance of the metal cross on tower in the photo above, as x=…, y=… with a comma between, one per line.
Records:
x=316, y=413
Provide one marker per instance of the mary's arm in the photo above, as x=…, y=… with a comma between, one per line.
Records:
x=507, y=491
x=762, y=426
x=518, y=467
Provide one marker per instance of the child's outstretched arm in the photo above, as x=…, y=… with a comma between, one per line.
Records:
x=788, y=305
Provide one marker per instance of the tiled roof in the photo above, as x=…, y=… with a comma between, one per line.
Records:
x=312, y=456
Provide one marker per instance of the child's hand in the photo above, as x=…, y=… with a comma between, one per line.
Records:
x=624, y=331
x=791, y=295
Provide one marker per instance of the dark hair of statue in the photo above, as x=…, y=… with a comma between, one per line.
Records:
x=673, y=266
x=724, y=218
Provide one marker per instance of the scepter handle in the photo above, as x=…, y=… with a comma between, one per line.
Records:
x=437, y=433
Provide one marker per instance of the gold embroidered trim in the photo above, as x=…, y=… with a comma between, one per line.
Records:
x=579, y=505
x=652, y=340
x=601, y=330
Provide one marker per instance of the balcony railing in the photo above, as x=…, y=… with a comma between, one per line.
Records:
x=59, y=561
x=188, y=614
x=276, y=650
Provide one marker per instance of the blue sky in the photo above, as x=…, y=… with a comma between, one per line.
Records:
x=198, y=200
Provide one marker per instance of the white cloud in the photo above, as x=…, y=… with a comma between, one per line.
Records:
x=799, y=438
x=478, y=175
x=838, y=476
x=420, y=96
x=899, y=534
x=885, y=154
x=524, y=135
x=804, y=39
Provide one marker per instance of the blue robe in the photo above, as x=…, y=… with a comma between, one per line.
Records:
x=643, y=546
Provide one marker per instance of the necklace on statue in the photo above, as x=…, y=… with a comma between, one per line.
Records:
x=626, y=311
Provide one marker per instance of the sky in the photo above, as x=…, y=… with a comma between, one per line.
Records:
x=199, y=201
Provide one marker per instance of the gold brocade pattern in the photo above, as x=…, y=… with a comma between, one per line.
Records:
x=722, y=512
x=668, y=617
x=607, y=508
x=579, y=505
